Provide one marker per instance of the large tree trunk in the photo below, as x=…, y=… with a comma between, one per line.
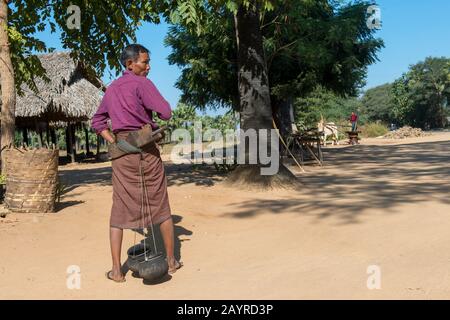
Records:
x=283, y=113
x=256, y=111
x=255, y=105
x=7, y=85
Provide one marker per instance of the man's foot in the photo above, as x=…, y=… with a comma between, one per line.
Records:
x=174, y=266
x=111, y=276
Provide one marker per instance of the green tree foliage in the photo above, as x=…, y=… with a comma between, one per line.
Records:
x=208, y=62
x=403, y=110
x=306, y=43
x=26, y=18
x=61, y=138
x=374, y=129
x=105, y=28
x=184, y=117
x=421, y=96
x=323, y=43
x=227, y=121
x=430, y=84
x=324, y=103
x=377, y=104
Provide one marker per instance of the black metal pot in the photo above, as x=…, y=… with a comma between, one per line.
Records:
x=154, y=268
x=136, y=254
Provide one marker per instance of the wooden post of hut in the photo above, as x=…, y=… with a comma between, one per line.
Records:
x=25, y=136
x=39, y=131
x=53, y=135
x=47, y=134
x=41, y=139
x=97, y=155
x=69, y=141
x=74, y=142
x=86, y=134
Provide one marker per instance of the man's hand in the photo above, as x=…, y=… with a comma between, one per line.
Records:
x=108, y=136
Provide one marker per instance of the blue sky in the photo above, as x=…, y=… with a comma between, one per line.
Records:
x=412, y=30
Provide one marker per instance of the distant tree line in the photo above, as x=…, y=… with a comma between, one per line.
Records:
x=419, y=98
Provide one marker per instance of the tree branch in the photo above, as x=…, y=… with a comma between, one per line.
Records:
x=277, y=51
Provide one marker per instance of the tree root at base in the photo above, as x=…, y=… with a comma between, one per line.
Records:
x=249, y=177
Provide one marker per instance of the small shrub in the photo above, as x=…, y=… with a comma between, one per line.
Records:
x=61, y=189
x=373, y=130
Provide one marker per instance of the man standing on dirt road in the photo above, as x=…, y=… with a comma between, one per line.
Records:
x=129, y=102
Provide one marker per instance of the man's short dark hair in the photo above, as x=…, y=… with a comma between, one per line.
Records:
x=132, y=52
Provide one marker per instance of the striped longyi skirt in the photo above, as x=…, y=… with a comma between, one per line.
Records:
x=127, y=190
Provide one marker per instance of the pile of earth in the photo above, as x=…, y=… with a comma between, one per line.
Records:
x=406, y=132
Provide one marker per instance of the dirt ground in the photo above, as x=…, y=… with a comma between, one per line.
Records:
x=382, y=203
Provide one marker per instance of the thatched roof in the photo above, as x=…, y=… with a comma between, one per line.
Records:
x=73, y=93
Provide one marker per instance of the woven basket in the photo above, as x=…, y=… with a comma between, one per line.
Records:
x=31, y=180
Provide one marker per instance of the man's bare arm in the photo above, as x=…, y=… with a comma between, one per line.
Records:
x=108, y=136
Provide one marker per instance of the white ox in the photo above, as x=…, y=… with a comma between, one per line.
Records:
x=328, y=129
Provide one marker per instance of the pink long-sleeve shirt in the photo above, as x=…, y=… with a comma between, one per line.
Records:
x=129, y=102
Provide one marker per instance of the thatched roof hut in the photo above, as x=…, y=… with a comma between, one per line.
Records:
x=73, y=93
x=70, y=98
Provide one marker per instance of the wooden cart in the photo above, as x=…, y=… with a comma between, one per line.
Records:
x=353, y=137
x=306, y=146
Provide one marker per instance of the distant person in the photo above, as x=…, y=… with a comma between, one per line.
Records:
x=354, y=120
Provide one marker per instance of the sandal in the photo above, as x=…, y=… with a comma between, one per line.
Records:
x=108, y=276
x=178, y=266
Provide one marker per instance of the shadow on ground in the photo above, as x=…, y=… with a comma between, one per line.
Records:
x=354, y=179
x=364, y=177
x=200, y=175
x=81, y=177
x=177, y=174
